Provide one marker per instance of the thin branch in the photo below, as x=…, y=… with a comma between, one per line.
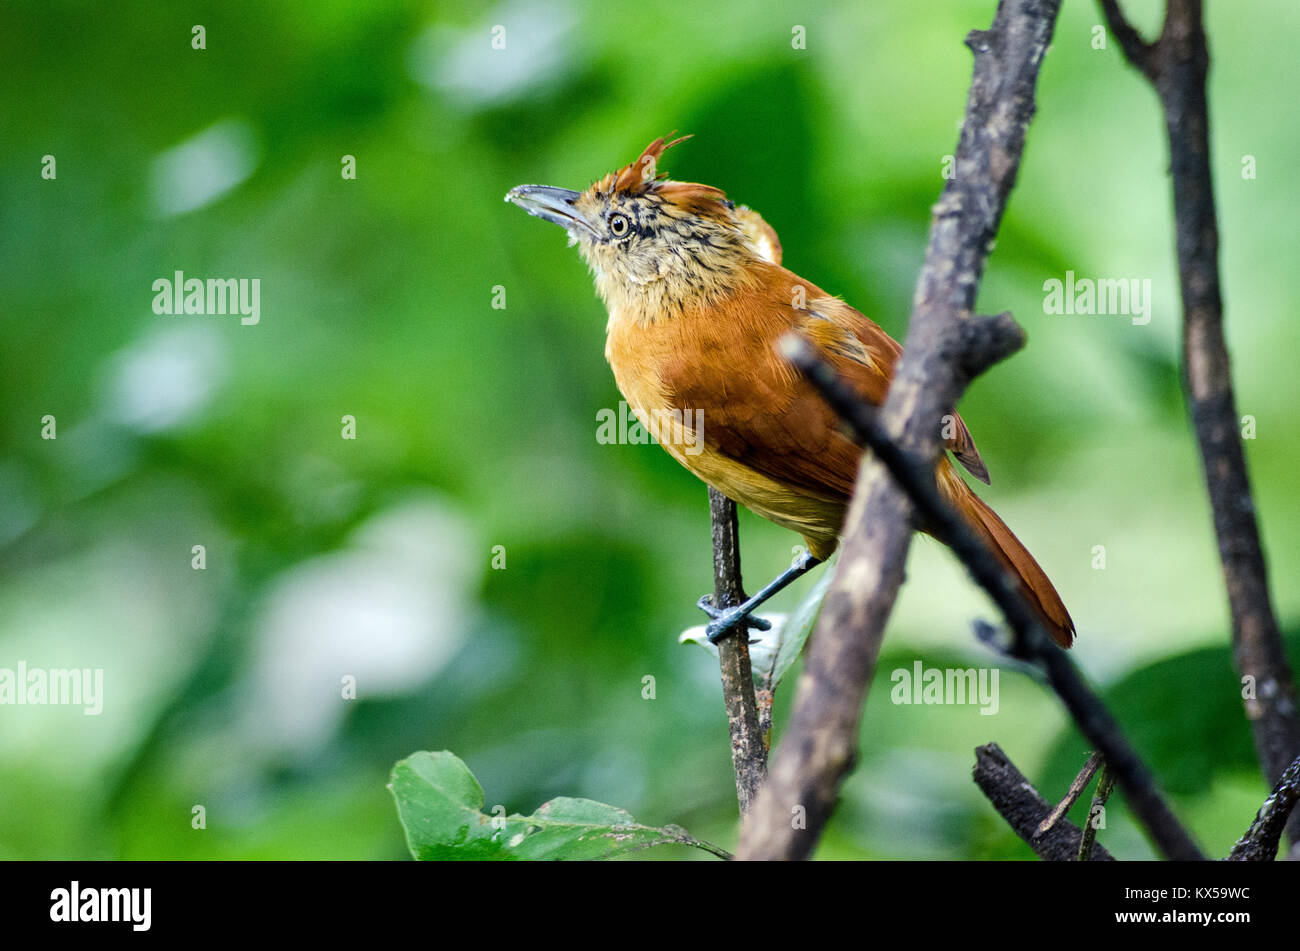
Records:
x=1025, y=810
x=1104, y=787
x=1260, y=842
x=1177, y=65
x=1136, y=50
x=1072, y=794
x=748, y=749
x=819, y=746
x=1032, y=644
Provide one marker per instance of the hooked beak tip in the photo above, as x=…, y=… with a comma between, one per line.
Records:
x=556, y=205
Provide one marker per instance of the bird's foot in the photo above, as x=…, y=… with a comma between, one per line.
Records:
x=725, y=621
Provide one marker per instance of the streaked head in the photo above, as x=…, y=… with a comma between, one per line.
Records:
x=650, y=241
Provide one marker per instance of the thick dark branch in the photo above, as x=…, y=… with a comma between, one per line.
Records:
x=748, y=751
x=1260, y=842
x=1032, y=643
x=820, y=743
x=1018, y=802
x=1179, y=63
x=983, y=341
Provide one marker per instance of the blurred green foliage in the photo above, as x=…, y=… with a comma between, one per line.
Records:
x=372, y=558
x=441, y=807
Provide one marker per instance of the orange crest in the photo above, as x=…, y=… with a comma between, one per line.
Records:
x=643, y=175
x=636, y=179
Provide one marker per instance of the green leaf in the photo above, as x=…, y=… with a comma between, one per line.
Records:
x=440, y=804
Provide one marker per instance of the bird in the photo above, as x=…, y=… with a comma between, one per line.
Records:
x=697, y=300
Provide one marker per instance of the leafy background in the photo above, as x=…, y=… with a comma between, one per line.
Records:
x=476, y=426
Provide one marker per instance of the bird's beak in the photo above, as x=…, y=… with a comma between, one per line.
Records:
x=556, y=205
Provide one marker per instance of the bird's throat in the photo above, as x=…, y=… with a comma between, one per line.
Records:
x=673, y=290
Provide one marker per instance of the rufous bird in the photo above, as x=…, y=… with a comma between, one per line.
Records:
x=697, y=301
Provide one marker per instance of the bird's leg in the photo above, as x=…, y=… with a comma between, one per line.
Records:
x=725, y=620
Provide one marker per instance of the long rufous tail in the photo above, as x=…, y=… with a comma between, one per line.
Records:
x=1013, y=554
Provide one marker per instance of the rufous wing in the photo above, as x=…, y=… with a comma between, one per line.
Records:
x=757, y=409
x=863, y=353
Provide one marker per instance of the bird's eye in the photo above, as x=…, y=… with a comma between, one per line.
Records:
x=619, y=225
